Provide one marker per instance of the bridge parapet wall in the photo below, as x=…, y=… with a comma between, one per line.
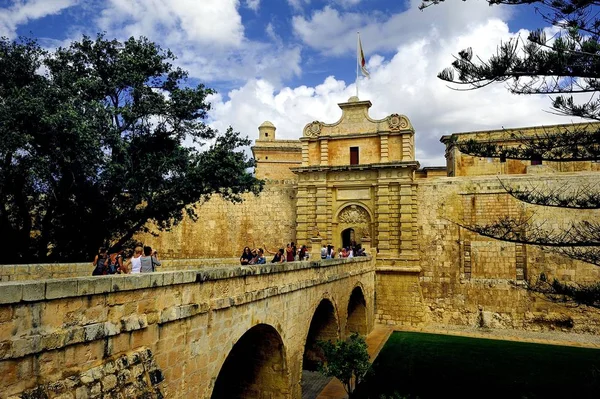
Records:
x=52, y=330
x=42, y=271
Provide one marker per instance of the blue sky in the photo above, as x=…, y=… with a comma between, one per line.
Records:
x=292, y=61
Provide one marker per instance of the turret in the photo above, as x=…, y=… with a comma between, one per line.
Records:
x=266, y=131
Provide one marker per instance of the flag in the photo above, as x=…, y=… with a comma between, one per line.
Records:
x=361, y=59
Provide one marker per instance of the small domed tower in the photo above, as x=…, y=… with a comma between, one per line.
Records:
x=274, y=158
x=266, y=131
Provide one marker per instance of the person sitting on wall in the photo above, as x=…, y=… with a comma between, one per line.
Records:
x=254, y=253
x=343, y=253
x=246, y=256
x=115, y=262
x=302, y=253
x=330, y=252
x=100, y=262
x=260, y=259
x=324, y=252
x=149, y=261
x=279, y=255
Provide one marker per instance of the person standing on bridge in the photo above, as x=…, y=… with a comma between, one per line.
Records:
x=289, y=252
x=134, y=265
x=149, y=261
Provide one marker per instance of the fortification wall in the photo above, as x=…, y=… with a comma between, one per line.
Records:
x=468, y=279
x=224, y=228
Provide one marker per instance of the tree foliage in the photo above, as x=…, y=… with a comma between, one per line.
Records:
x=348, y=361
x=565, y=65
x=100, y=138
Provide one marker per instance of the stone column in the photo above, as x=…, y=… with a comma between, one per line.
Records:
x=315, y=248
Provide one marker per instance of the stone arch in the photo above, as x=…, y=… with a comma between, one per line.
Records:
x=357, y=312
x=255, y=367
x=355, y=217
x=324, y=326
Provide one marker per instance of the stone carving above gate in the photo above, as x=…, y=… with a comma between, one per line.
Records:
x=397, y=122
x=354, y=214
x=313, y=129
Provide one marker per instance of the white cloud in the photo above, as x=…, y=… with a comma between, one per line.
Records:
x=405, y=83
x=334, y=32
x=253, y=4
x=207, y=36
x=23, y=11
x=298, y=5
x=211, y=23
x=346, y=3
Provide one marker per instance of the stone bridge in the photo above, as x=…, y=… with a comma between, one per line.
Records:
x=221, y=332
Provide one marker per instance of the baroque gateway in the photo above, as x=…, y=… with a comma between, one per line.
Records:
x=181, y=333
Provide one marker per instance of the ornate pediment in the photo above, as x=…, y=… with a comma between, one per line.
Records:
x=355, y=120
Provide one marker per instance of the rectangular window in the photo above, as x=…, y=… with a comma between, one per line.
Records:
x=353, y=155
x=536, y=159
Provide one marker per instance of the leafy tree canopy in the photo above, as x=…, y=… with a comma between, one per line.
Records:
x=348, y=361
x=99, y=139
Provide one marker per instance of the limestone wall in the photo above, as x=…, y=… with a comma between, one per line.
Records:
x=466, y=277
x=41, y=271
x=167, y=332
x=224, y=228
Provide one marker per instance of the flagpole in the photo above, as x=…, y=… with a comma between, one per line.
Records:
x=357, y=60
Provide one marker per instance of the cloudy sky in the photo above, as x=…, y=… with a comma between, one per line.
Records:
x=292, y=61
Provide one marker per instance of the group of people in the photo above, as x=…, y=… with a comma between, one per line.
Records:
x=143, y=260
x=328, y=251
x=290, y=253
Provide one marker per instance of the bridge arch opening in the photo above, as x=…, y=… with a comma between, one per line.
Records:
x=323, y=327
x=255, y=367
x=357, y=313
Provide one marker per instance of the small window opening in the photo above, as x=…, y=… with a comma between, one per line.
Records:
x=266, y=157
x=503, y=157
x=353, y=155
x=536, y=159
x=266, y=134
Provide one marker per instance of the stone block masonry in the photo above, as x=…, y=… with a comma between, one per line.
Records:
x=225, y=228
x=182, y=324
x=130, y=375
x=465, y=277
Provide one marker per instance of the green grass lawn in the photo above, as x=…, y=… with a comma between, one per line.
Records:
x=442, y=366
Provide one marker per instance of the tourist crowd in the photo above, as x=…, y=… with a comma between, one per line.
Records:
x=292, y=253
x=143, y=260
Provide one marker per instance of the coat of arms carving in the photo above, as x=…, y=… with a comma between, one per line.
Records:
x=354, y=215
x=397, y=122
x=313, y=129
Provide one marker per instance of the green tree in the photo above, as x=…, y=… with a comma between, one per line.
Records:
x=348, y=361
x=565, y=67
x=100, y=140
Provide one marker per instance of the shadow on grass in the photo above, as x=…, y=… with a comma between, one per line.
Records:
x=422, y=365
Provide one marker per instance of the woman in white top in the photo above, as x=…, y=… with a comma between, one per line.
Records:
x=134, y=265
